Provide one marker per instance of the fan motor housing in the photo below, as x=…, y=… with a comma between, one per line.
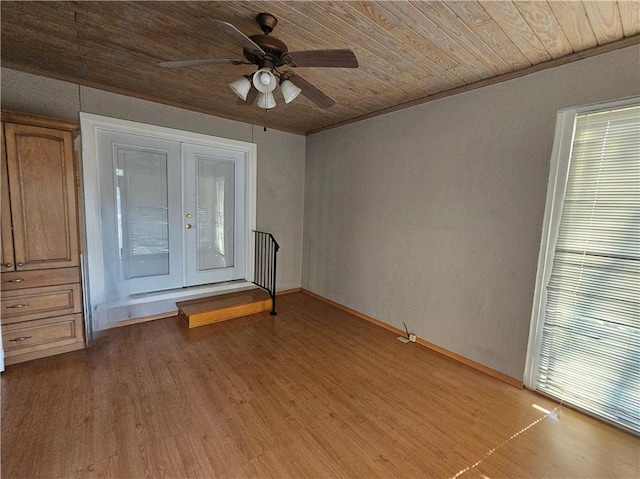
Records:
x=273, y=47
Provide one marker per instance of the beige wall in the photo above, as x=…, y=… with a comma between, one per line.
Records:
x=432, y=215
x=280, y=155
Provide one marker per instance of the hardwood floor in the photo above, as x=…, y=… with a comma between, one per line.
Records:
x=312, y=392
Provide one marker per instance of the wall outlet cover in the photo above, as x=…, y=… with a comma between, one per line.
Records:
x=412, y=338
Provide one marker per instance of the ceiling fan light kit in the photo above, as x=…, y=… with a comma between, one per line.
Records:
x=269, y=53
x=266, y=100
x=289, y=91
x=264, y=81
x=241, y=87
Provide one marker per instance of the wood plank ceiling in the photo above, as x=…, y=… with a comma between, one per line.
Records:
x=408, y=52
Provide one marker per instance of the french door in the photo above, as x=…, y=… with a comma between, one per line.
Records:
x=172, y=213
x=213, y=208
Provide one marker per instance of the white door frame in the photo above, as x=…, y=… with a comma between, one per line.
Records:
x=90, y=124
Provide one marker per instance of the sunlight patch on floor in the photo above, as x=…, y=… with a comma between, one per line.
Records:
x=547, y=413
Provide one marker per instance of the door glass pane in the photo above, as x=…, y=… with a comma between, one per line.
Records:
x=142, y=212
x=215, y=213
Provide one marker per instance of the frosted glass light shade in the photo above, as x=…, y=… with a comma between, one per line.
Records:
x=266, y=100
x=241, y=87
x=289, y=91
x=264, y=81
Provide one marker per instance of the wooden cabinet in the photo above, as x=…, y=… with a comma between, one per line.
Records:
x=41, y=301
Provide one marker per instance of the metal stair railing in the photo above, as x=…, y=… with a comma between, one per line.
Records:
x=265, y=262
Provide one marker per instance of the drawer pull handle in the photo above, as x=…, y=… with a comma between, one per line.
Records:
x=18, y=280
x=17, y=306
x=7, y=265
x=19, y=264
x=20, y=339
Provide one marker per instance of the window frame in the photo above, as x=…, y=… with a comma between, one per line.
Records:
x=556, y=188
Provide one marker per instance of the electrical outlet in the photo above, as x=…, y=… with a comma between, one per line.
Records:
x=412, y=338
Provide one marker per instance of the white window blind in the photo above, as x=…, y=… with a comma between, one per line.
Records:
x=589, y=350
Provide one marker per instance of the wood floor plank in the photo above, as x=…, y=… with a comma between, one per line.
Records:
x=312, y=392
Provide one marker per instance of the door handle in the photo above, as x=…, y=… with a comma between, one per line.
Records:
x=7, y=265
x=188, y=226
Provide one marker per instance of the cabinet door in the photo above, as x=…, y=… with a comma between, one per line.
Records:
x=43, y=201
x=5, y=209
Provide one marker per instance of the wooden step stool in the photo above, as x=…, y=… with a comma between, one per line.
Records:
x=201, y=311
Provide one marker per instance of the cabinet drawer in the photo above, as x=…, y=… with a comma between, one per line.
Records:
x=35, y=303
x=35, y=279
x=41, y=334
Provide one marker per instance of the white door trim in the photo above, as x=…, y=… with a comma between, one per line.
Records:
x=90, y=124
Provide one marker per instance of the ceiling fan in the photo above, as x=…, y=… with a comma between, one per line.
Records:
x=269, y=54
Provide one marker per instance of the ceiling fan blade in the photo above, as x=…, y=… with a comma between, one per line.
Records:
x=238, y=36
x=324, y=58
x=311, y=92
x=202, y=61
x=251, y=98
